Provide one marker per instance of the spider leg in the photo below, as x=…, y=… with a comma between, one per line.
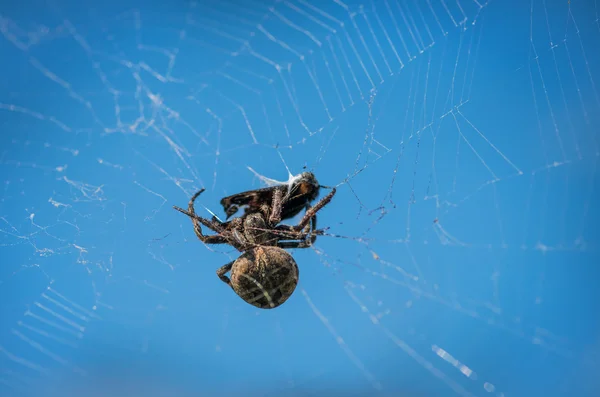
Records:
x=192, y=199
x=294, y=244
x=292, y=232
x=277, y=204
x=312, y=211
x=313, y=223
x=287, y=232
x=223, y=270
x=214, y=239
x=213, y=224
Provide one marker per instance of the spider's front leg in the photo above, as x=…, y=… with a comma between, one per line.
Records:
x=213, y=224
x=276, y=207
x=286, y=232
x=312, y=211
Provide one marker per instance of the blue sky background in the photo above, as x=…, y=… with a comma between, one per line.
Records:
x=462, y=250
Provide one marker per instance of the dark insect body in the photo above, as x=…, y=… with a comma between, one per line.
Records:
x=264, y=275
x=292, y=197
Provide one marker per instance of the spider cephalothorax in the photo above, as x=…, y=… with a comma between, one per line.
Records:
x=265, y=275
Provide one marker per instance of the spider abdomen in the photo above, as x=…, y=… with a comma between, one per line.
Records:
x=265, y=276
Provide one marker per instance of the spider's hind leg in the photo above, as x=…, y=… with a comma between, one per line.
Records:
x=224, y=270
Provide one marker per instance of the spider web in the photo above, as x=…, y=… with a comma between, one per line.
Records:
x=460, y=248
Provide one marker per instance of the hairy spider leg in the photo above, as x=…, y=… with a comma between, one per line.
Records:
x=296, y=244
x=303, y=229
x=214, y=239
x=292, y=234
x=213, y=224
x=311, y=212
x=224, y=270
x=277, y=204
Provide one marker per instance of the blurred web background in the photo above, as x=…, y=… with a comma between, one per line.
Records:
x=462, y=250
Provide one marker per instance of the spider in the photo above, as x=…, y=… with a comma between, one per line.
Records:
x=264, y=275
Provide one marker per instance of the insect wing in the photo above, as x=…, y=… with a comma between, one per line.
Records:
x=250, y=198
x=294, y=201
